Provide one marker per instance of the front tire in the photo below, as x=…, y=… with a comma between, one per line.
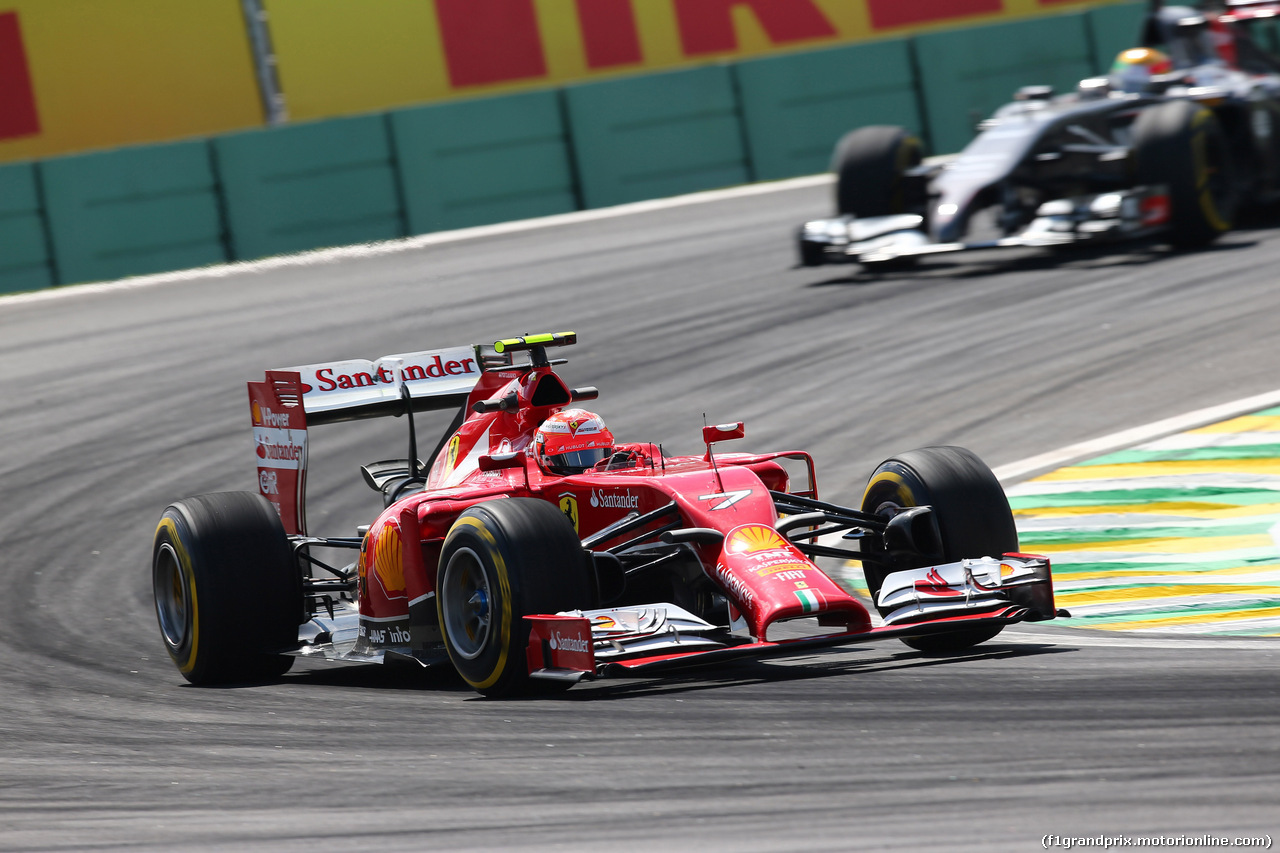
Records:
x=1181, y=144
x=501, y=561
x=970, y=506
x=227, y=590
x=870, y=165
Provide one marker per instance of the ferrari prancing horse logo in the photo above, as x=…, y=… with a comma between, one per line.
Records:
x=569, y=506
x=451, y=457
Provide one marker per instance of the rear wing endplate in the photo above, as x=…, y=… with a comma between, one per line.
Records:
x=290, y=400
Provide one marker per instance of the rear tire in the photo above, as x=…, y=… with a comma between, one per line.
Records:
x=870, y=164
x=971, y=509
x=227, y=590
x=1181, y=144
x=501, y=561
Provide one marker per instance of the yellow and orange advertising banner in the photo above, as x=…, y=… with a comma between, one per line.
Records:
x=85, y=74
x=339, y=56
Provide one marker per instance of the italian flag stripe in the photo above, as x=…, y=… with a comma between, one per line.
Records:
x=808, y=599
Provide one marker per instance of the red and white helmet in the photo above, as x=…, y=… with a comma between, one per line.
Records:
x=572, y=441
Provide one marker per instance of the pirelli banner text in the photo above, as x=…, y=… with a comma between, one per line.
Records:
x=77, y=75
x=338, y=56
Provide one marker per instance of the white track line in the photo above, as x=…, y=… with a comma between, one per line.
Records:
x=1027, y=633
x=408, y=244
x=1129, y=437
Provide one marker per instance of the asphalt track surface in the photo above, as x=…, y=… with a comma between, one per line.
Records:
x=116, y=403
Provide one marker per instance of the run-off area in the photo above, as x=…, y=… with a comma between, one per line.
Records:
x=1175, y=535
x=1180, y=534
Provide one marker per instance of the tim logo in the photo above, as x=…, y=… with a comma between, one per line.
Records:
x=268, y=483
x=569, y=506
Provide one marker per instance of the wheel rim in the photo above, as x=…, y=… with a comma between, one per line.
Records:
x=173, y=607
x=887, y=509
x=466, y=601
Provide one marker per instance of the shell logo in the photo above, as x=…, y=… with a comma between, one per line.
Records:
x=386, y=560
x=751, y=538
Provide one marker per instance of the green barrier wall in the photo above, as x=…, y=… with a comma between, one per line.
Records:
x=482, y=161
x=24, y=252
x=308, y=186
x=280, y=190
x=966, y=74
x=1113, y=29
x=655, y=136
x=132, y=211
x=794, y=108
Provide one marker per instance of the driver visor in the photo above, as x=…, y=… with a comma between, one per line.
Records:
x=578, y=460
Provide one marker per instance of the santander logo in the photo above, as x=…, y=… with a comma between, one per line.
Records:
x=269, y=450
x=626, y=500
x=559, y=642
x=332, y=378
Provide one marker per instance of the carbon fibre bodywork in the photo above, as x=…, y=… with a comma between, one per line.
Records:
x=1080, y=167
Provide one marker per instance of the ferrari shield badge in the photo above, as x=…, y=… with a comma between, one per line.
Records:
x=451, y=458
x=569, y=506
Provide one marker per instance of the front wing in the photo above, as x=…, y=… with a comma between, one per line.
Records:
x=550, y=664
x=918, y=602
x=1108, y=217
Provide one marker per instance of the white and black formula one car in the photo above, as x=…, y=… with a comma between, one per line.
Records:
x=1182, y=133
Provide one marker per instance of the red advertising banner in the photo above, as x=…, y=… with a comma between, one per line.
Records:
x=707, y=26
x=18, y=115
x=886, y=14
x=78, y=75
x=84, y=74
x=339, y=57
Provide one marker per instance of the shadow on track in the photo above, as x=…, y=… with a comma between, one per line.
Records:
x=984, y=262
x=783, y=670
x=368, y=676
x=443, y=679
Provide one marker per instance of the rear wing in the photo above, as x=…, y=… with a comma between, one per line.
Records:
x=290, y=400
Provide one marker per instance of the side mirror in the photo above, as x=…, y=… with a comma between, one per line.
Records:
x=499, y=461
x=723, y=432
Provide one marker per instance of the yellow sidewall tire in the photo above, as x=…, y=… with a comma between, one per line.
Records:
x=501, y=561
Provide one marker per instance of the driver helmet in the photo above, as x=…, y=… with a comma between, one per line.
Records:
x=1134, y=68
x=572, y=441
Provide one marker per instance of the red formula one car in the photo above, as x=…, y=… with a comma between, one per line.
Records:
x=530, y=549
